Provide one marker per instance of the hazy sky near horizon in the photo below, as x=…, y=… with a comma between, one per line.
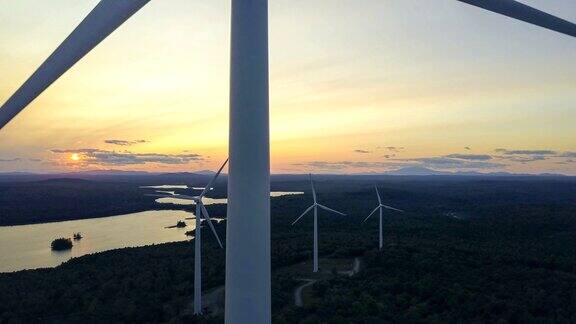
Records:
x=363, y=86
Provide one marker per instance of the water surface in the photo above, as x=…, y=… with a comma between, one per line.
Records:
x=213, y=201
x=28, y=246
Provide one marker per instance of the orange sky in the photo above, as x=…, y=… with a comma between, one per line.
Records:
x=449, y=84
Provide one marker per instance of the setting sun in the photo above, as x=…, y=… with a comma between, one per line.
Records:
x=75, y=157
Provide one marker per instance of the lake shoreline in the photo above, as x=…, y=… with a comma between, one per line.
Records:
x=28, y=246
x=154, y=205
x=86, y=257
x=139, y=209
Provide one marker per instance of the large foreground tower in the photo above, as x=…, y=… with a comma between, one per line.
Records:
x=248, y=233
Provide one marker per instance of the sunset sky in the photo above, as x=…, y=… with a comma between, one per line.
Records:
x=356, y=86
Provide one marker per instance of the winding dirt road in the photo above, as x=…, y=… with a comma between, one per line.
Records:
x=309, y=282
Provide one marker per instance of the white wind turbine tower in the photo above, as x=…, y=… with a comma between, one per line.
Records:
x=248, y=292
x=201, y=214
x=315, y=206
x=380, y=208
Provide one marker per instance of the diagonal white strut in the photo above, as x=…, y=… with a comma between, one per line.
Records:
x=100, y=22
x=110, y=14
x=304, y=213
x=202, y=213
x=211, y=183
x=520, y=11
x=372, y=213
x=330, y=210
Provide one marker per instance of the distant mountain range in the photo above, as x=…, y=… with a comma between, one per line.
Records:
x=123, y=175
x=422, y=171
x=111, y=172
x=141, y=177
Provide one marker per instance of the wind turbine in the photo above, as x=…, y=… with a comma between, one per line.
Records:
x=201, y=213
x=248, y=294
x=380, y=208
x=315, y=206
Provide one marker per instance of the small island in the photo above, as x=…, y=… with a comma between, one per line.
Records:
x=61, y=244
x=77, y=236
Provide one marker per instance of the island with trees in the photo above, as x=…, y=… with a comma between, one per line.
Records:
x=61, y=244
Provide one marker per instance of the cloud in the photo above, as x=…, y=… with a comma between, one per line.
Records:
x=103, y=157
x=454, y=163
x=471, y=157
x=451, y=162
x=86, y=151
x=340, y=165
x=323, y=165
x=10, y=160
x=527, y=156
x=568, y=155
x=441, y=163
x=467, y=148
x=393, y=148
x=523, y=159
x=525, y=152
x=35, y=160
x=124, y=142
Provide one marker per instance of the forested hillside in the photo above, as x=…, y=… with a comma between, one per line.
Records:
x=500, y=262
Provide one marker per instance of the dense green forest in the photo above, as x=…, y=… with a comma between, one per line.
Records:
x=67, y=199
x=458, y=255
x=59, y=199
x=522, y=270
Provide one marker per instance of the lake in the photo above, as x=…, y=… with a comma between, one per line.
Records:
x=28, y=246
x=212, y=201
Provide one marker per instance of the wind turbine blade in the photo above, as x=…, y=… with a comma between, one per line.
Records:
x=209, y=221
x=377, y=193
x=100, y=22
x=372, y=213
x=209, y=186
x=392, y=208
x=520, y=11
x=304, y=213
x=331, y=210
x=313, y=189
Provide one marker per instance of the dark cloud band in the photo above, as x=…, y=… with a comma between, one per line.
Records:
x=103, y=157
